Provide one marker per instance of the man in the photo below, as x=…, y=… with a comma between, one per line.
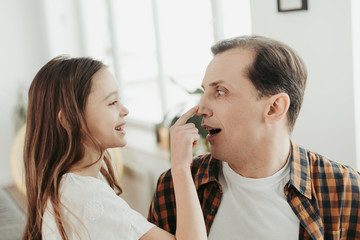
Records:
x=257, y=183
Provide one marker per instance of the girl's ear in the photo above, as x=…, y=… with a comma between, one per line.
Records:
x=277, y=108
x=63, y=120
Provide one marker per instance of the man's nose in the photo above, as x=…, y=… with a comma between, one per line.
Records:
x=204, y=108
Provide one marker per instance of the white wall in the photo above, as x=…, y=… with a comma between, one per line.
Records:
x=322, y=35
x=23, y=48
x=355, y=7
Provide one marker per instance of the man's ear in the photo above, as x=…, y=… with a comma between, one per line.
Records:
x=63, y=120
x=278, y=106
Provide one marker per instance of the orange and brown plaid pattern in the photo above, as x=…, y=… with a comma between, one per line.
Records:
x=323, y=194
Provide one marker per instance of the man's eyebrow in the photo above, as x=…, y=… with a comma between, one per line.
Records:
x=214, y=84
x=110, y=94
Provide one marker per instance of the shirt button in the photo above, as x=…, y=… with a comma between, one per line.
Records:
x=212, y=211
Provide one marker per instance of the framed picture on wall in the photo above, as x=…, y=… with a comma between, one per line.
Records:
x=292, y=5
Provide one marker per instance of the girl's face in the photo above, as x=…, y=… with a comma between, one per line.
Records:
x=104, y=113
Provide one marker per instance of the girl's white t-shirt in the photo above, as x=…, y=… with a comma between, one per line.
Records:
x=92, y=210
x=254, y=208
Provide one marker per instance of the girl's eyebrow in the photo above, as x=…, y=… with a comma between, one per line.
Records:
x=110, y=94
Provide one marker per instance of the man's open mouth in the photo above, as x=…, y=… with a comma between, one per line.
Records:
x=214, y=131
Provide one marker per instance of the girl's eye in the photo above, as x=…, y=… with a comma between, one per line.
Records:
x=113, y=103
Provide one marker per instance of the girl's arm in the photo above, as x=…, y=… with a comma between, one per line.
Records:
x=189, y=221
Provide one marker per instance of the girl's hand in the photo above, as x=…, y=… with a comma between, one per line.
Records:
x=183, y=138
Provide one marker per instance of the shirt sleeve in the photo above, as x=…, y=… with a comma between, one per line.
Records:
x=162, y=210
x=109, y=216
x=94, y=211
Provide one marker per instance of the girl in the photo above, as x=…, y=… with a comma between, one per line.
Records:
x=74, y=115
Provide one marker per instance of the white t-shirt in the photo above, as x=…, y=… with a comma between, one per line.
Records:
x=93, y=211
x=254, y=208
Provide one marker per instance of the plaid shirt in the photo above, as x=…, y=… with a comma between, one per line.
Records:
x=323, y=194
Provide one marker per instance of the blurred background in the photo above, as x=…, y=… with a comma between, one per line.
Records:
x=158, y=51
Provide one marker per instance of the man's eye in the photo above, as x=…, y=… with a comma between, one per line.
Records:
x=220, y=92
x=113, y=103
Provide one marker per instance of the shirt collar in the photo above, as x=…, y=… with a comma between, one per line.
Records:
x=206, y=170
x=300, y=176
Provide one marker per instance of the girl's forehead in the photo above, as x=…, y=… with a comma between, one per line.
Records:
x=103, y=85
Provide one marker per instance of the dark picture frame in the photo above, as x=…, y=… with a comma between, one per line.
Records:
x=292, y=5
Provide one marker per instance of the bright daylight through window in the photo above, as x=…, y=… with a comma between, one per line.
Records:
x=156, y=48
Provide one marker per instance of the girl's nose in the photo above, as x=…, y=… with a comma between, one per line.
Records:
x=124, y=111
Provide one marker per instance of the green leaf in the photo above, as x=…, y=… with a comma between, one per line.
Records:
x=196, y=91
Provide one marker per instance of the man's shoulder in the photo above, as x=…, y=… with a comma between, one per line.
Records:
x=322, y=167
x=202, y=161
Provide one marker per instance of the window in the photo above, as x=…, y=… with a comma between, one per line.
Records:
x=156, y=48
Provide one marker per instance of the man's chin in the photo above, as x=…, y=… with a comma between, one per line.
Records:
x=215, y=152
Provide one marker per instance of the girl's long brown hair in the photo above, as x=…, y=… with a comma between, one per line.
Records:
x=50, y=149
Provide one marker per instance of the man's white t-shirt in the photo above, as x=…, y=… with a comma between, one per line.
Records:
x=93, y=211
x=254, y=208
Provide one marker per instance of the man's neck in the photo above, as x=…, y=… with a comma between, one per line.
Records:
x=265, y=161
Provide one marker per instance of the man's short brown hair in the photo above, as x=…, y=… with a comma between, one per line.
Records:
x=276, y=68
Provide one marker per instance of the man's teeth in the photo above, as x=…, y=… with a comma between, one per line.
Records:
x=118, y=128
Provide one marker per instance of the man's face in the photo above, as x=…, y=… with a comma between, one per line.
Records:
x=232, y=112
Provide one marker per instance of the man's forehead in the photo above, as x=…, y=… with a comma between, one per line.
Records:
x=227, y=67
